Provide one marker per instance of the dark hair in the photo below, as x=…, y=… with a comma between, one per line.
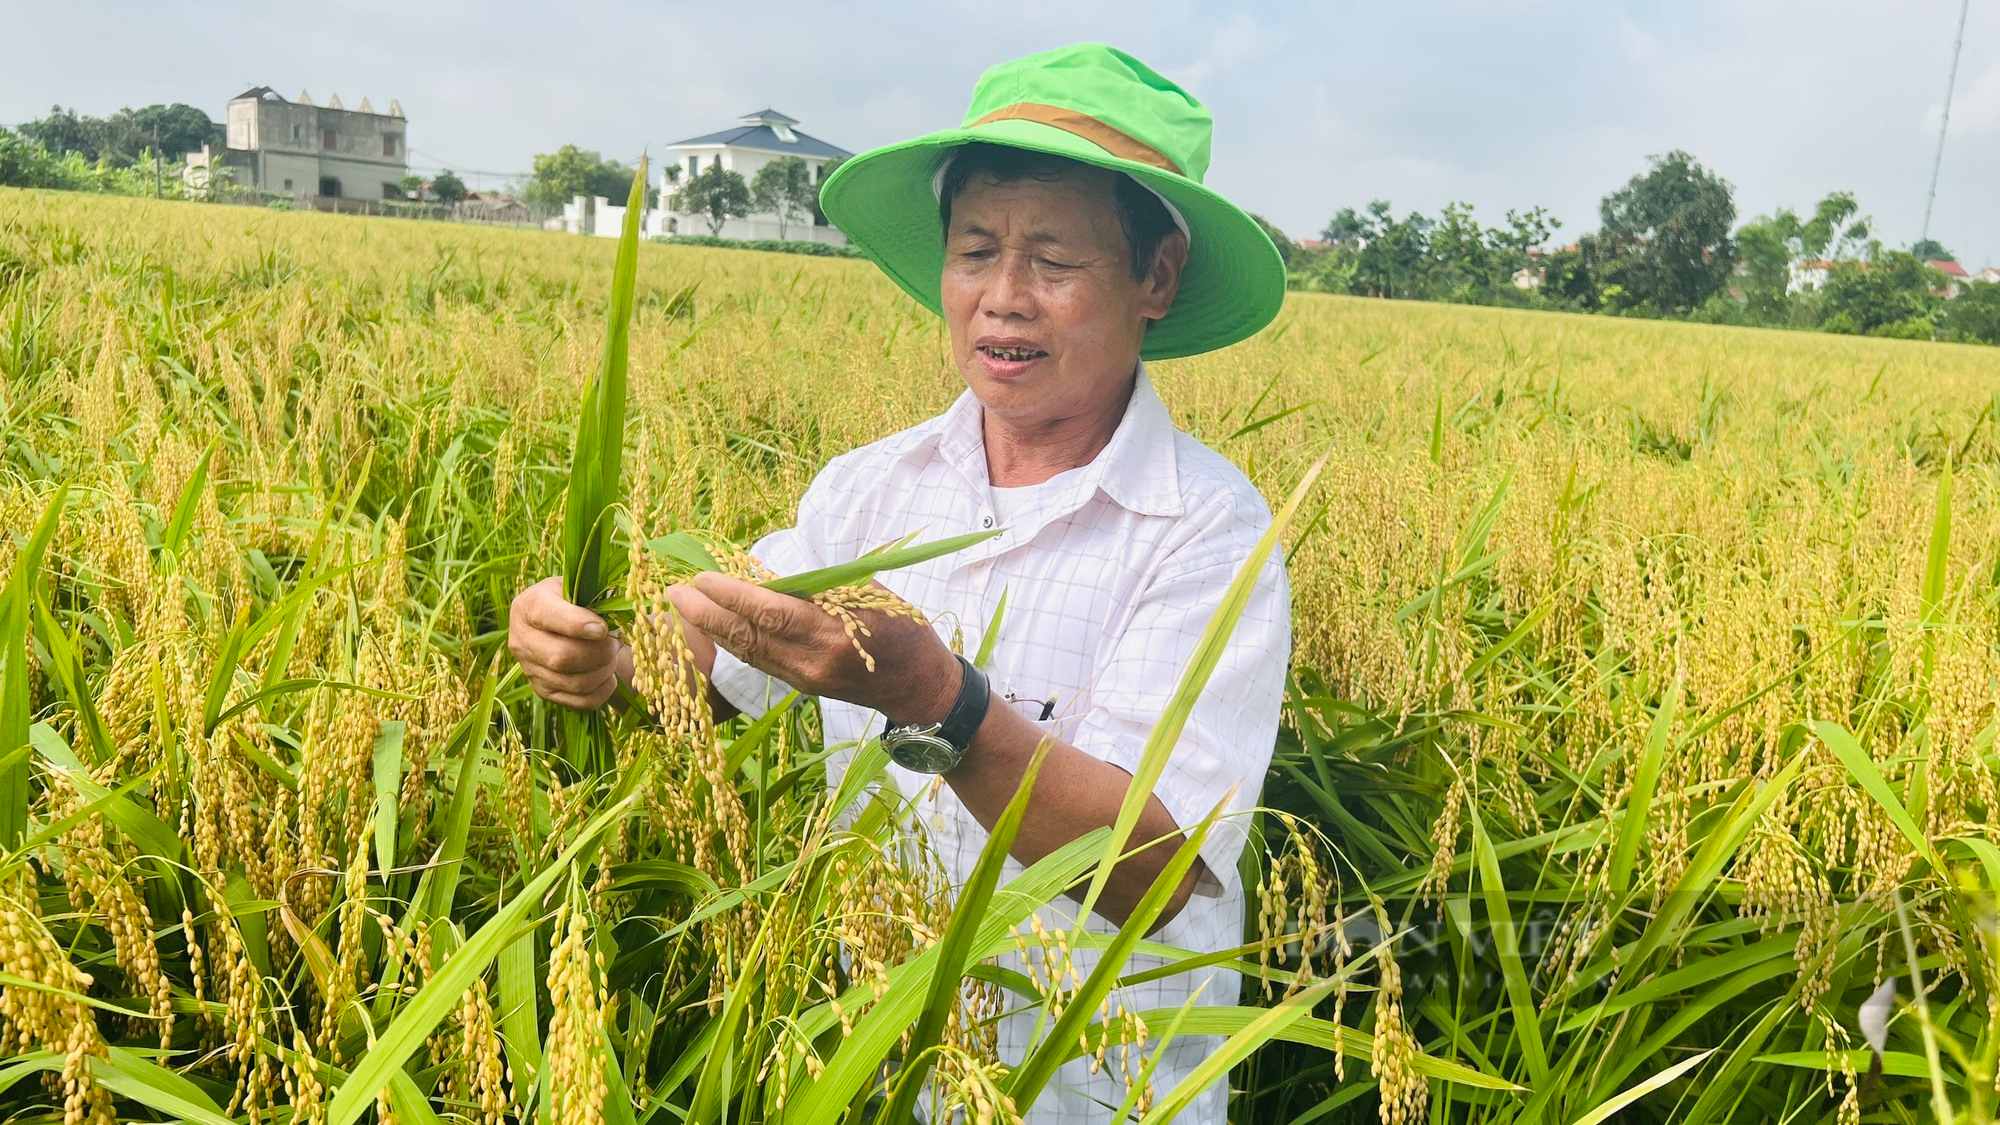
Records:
x=1140, y=212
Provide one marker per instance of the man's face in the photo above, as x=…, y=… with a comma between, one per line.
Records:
x=1046, y=319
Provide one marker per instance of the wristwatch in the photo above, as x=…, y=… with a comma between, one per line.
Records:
x=942, y=745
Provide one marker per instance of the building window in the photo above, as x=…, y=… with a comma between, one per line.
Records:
x=694, y=167
x=389, y=144
x=298, y=133
x=329, y=187
x=326, y=139
x=391, y=191
x=288, y=185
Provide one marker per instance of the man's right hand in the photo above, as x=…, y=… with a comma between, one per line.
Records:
x=567, y=651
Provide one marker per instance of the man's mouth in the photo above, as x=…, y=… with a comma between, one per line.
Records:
x=1013, y=355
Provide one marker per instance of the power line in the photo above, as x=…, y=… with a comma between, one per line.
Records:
x=442, y=164
x=1950, y=85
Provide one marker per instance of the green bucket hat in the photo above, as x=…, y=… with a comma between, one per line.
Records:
x=1101, y=106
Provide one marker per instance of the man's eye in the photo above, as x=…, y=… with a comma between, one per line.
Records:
x=975, y=255
x=1051, y=263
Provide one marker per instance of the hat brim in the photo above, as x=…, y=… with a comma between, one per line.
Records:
x=1233, y=284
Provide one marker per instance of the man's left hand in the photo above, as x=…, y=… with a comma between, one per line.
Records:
x=915, y=677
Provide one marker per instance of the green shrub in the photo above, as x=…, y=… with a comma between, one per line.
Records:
x=1973, y=316
x=1909, y=328
x=788, y=246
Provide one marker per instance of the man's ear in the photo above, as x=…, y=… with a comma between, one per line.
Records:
x=1163, y=280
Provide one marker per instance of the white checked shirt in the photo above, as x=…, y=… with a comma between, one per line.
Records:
x=1111, y=571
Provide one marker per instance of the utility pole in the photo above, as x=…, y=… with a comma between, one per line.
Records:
x=1950, y=84
x=156, y=160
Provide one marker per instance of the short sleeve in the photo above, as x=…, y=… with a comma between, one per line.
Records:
x=1225, y=748
x=788, y=550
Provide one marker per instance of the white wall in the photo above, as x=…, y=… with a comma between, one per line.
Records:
x=597, y=216
x=761, y=227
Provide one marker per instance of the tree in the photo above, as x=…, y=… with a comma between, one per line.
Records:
x=569, y=171
x=1931, y=250
x=63, y=131
x=1450, y=258
x=126, y=136
x=1671, y=225
x=1974, y=315
x=180, y=128
x=1347, y=228
x=412, y=185
x=1393, y=258
x=784, y=187
x=447, y=187
x=715, y=193
x=1287, y=249
x=1766, y=254
x=825, y=172
x=1832, y=232
x=1895, y=295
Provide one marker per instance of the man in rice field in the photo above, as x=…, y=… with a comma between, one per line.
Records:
x=1064, y=235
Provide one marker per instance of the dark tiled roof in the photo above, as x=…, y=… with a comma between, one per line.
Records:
x=769, y=114
x=761, y=137
x=258, y=92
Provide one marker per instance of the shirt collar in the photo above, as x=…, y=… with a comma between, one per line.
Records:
x=1138, y=470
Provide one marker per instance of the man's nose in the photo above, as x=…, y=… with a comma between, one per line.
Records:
x=1011, y=291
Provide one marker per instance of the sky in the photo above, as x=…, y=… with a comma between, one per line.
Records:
x=1499, y=103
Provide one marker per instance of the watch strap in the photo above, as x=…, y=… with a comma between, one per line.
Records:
x=967, y=712
x=969, y=709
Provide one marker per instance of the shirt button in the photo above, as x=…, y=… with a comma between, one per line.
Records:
x=937, y=822
x=986, y=521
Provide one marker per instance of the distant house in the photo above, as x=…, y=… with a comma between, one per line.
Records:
x=499, y=210
x=1808, y=276
x=308, y=152
x=756, y=140
x=1990, y=275
x=1956, y=279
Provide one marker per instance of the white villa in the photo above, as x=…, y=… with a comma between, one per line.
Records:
x=755, y=141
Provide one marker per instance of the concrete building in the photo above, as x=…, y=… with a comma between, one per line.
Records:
x=756, y=140
x=1808, y=276
x=307, y=151
x=1955, y=277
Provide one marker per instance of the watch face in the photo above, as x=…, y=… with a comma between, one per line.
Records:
x=921, y=752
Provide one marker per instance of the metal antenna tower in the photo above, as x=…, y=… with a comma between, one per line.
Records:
x=1950, y=84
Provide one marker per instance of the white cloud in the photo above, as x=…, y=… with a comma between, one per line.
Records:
x=1506, y=103
x=1975, y=110
x=1243, y=39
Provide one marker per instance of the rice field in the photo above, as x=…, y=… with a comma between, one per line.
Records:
x=1642, y=725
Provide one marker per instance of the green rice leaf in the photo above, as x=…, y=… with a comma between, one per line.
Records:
x=1207, y=653
x=1639, y=803
x=600, y=433
x=130, y=1075
x=688, y=553
x=174, y=537
x=1039, y=1068
x=440, y=995
x=1862, y=767
x=955, y=947
x=1605, y=1111
x=1506, y=949
x=685, y=551
x=387, y=759
x=15, y=698
x=1235, y=1049
x=875, y=562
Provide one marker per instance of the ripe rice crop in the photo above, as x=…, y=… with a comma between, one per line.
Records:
x=1643, y=717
